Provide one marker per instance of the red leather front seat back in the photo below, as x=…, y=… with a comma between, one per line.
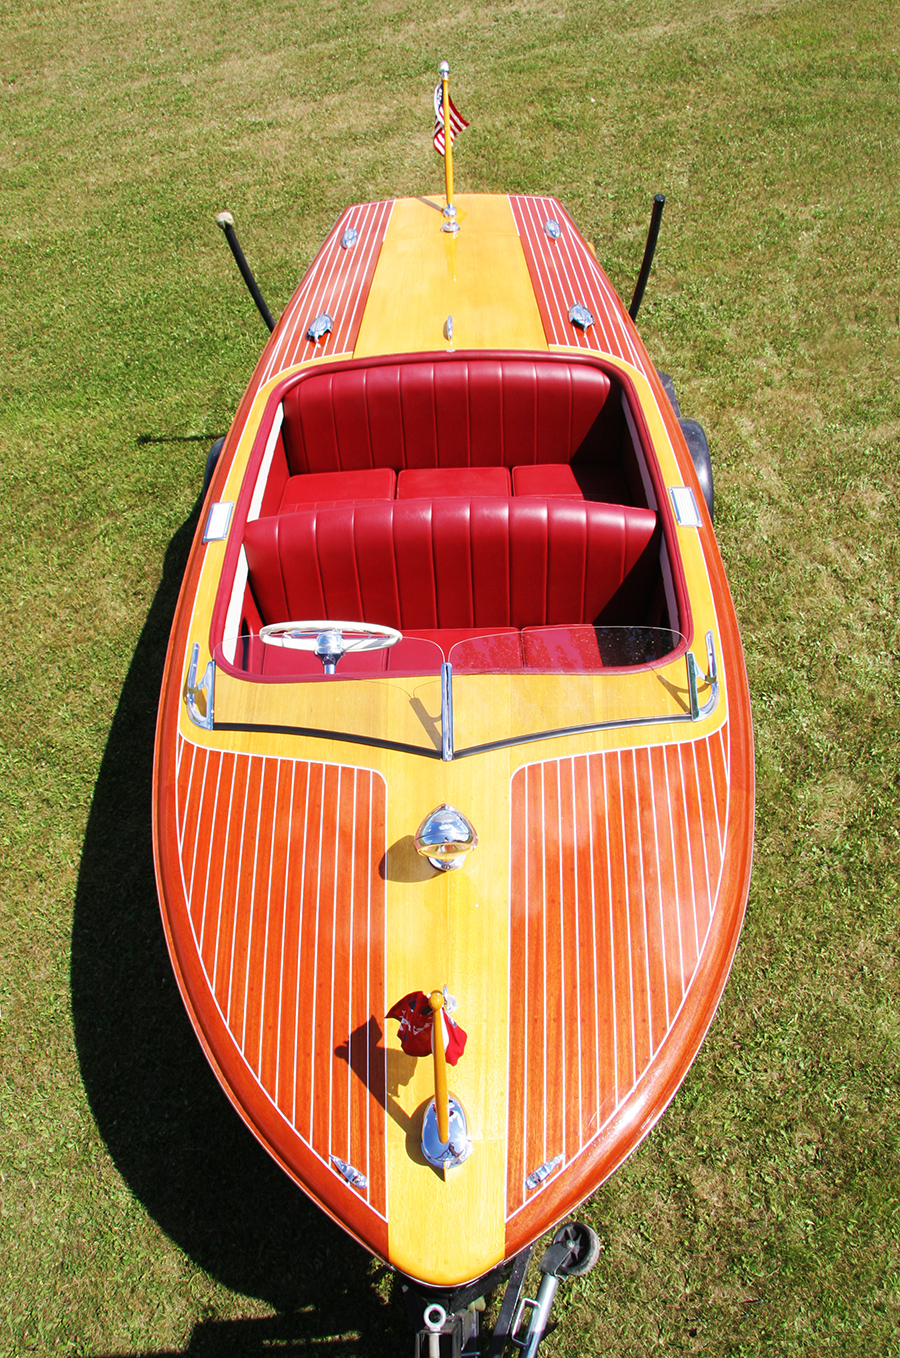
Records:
x=454, y=563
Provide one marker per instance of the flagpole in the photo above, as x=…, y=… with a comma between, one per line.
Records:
x=441, y=1101
x=450, y=223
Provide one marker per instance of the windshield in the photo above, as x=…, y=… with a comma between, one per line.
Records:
x=462, y=696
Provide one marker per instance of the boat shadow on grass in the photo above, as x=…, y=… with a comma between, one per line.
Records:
x=173, y=1135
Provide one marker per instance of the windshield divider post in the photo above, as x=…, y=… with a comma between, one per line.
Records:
x=446, y=711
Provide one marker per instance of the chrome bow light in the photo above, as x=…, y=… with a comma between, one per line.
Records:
x=445, y=837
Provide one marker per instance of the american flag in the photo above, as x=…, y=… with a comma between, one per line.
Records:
x=417, y=1025
x=457, y=121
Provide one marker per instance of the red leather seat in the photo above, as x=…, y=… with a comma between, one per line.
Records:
x=416, y=483
x=583, y=481
x=483, y=563
x=375, y=483
x=458, y=412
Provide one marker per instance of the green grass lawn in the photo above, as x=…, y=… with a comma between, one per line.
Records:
x=137, y=1215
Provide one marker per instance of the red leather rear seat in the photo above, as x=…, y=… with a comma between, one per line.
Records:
x=583, y=481
x=430, y=565
x=376, y=483
x=476, y=412
x=416, y=483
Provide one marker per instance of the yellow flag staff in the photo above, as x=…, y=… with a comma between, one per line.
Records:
x=447, y=122
x=441, y=1099
x=423, y=1028
x=450, y=222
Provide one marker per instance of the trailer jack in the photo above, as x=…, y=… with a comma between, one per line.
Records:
x=448, y=1323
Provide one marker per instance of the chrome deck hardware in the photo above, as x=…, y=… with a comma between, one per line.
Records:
x=445, y=837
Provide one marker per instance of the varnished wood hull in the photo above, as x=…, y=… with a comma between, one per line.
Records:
x=587, y=939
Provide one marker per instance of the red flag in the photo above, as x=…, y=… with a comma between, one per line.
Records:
x=416, y=1018
x=457, y=121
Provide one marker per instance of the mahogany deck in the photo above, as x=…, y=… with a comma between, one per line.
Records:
x=616, y=862
x=291, y=950
x=564, y=271
x=337, y=282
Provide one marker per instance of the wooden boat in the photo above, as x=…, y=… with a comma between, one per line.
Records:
x=460, y=456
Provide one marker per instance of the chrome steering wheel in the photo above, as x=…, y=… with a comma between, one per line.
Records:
x=330, y=640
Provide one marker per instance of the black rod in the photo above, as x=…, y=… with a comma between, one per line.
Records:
x=509, y=1310
x=226, y=222
x=655, y=219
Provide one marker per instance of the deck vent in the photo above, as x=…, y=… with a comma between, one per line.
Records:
x=320, y=326
x=354, y=1177
x=580, y=317
x=349, y=238
x=687, y=515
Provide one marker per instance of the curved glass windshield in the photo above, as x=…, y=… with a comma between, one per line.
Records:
x=447, y=695
x=290, y=659
x=581, y=649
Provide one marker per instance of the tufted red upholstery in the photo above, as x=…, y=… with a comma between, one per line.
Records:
x=454, y=563
x=462, y=413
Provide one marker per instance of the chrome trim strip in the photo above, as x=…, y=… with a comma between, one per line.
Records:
x=318, y=733
x=380, y=744
x=446, y=711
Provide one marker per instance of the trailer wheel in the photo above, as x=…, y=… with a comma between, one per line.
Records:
x=696, y=440
x=583, y=1246
x=698, y=447
x=669, y=388
x=212, y=458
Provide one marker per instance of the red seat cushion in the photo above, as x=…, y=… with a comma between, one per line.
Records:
x=473, y=650
x=415, y=483
x=485, y=562
x=561, y=649
x=583, y=481
x=374, y=483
